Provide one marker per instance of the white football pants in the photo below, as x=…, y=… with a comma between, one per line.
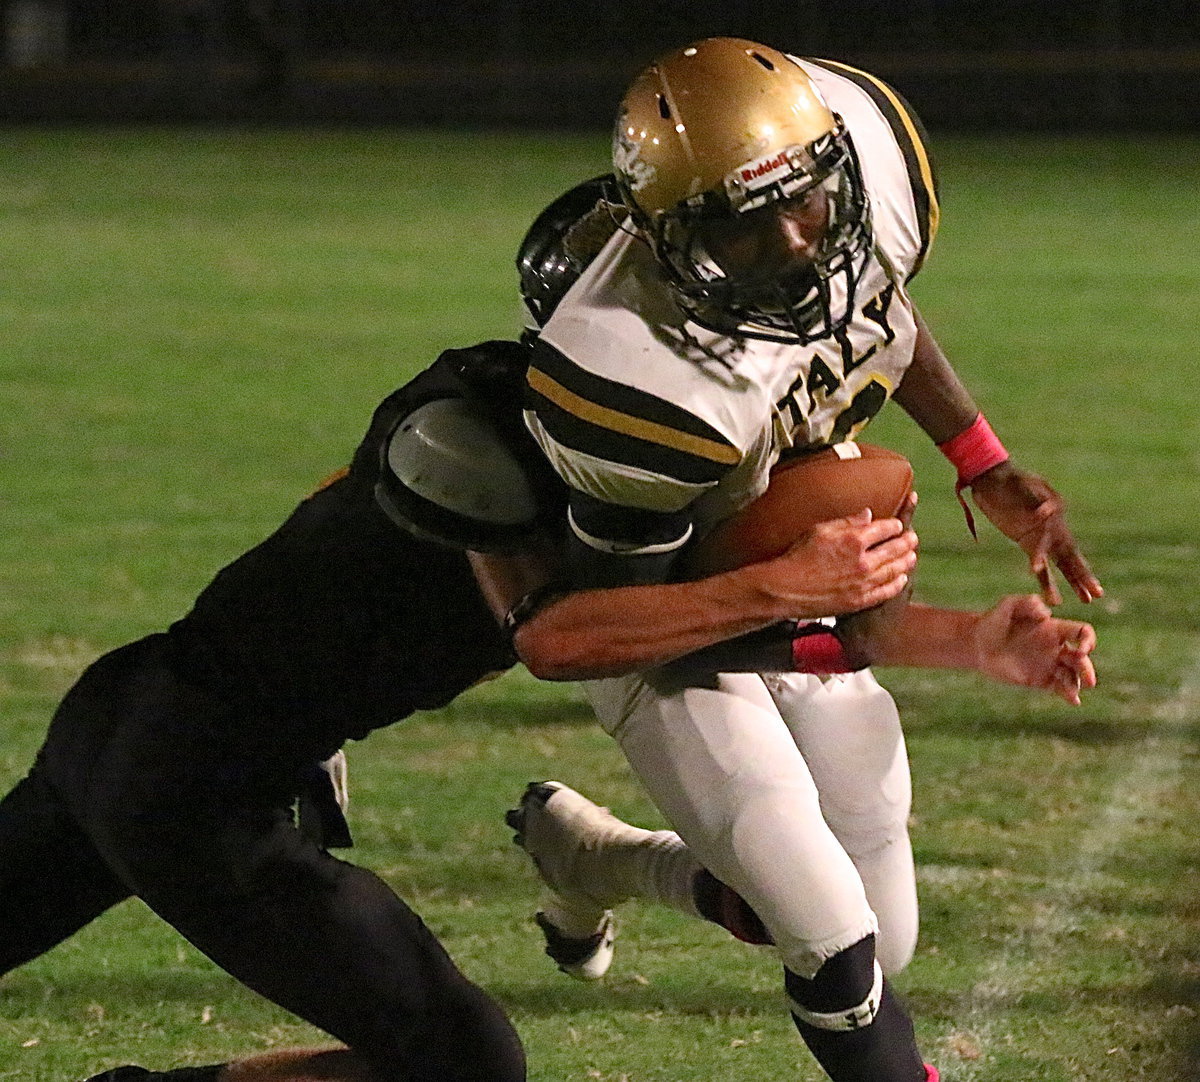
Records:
x=793, y=790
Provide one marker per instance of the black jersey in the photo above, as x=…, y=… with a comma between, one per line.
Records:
x=340, y=621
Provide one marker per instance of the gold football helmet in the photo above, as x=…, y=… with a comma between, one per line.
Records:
x=747, y=187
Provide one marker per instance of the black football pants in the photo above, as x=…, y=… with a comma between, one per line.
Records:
x=146, y=787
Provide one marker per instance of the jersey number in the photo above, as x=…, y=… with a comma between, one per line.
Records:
x=863, y=406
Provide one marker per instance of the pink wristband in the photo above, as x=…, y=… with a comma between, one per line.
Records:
x=817, y=650
x=976, y=449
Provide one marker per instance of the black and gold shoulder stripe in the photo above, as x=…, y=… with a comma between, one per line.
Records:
x=621, y=424
x=913, y=142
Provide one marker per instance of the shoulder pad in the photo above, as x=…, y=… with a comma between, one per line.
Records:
x=913, y=144
x=449, y=476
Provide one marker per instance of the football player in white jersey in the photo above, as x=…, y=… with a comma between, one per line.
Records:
x=750, y=302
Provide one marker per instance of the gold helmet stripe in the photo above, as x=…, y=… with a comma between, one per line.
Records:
x=911, y=137
x=685, y=139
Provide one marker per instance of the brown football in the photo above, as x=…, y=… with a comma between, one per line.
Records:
x=813, y=487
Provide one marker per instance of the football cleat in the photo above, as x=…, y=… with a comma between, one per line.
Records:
x=931, y=1074
x=559, y=828
x=584, y=959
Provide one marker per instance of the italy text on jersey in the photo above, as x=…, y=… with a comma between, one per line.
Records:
x=845, y=384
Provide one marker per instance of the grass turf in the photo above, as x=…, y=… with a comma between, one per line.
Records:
x=196, y=328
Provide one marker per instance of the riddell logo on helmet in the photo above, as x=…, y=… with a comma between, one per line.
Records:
x=768, y=169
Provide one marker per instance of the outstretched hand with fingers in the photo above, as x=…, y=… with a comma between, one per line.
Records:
x=1025, y=508
x=1020, y=641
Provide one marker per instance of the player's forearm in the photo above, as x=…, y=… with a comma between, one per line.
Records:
x=927, y=637
x=846, y=565
x=598, y=633
x=590, y=634
x=931, y=392
x=1017, y=641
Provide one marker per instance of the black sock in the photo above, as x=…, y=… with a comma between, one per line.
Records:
x=878, y=1049
x=724, y=906
x=884, y=1051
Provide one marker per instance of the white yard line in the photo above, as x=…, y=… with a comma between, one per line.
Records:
x=1153, y=770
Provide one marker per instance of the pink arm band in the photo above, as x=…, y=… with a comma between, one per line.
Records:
x=817, y=650
x=975, y=449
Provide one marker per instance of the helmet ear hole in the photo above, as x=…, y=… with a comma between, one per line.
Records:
x=763, y=61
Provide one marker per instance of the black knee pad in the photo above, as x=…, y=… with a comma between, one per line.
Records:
x=852, y=1023
x=844, y=993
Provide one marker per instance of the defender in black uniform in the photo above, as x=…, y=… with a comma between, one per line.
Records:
x=171, y=768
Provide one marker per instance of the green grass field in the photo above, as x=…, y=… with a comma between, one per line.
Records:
x=196, y=327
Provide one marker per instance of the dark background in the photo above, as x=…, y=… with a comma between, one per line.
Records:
x=987, y=65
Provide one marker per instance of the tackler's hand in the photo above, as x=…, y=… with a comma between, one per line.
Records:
x=1019, y=641
x=1025, y=508
x=844, y=565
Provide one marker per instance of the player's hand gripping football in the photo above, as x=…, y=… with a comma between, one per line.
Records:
x=1025, y=508
x=844, y=565
x=1019, y=641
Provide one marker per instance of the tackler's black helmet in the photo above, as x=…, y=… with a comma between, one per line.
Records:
x=562, y=241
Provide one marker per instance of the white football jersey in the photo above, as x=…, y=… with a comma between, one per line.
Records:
x=634, y=405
